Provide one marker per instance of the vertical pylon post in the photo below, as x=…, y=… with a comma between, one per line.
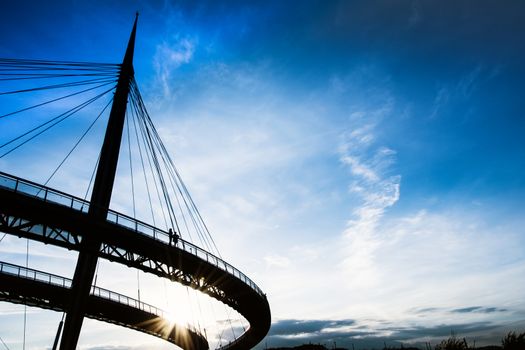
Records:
x=100, y=198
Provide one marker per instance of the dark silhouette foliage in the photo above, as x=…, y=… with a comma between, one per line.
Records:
x=513, y=341
x=452, y=343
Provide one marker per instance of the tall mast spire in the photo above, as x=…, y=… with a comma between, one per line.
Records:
x=100, y=199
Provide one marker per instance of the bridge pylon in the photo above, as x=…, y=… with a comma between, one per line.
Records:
x=100, y=199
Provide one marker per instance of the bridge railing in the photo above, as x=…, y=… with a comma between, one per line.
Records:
x=50, y=195
x=48, y=278
x=34, y=275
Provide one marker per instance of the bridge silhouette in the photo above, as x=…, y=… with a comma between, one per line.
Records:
x=39, y=213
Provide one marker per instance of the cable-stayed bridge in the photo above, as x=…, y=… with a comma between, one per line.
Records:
x=165, y=247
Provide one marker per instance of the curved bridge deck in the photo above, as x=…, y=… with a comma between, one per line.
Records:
x=48, y=291
x=40, y=213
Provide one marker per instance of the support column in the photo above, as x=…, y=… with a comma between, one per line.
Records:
x=100, y=198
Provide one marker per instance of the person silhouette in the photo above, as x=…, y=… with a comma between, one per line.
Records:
x=173, y=237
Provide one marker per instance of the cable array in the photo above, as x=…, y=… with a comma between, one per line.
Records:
x=179, y=211
x=176, y=208
x=22, y=75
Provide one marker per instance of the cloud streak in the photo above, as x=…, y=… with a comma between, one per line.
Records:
x=169, y=56
x=481, y=309
x=369, y=165
x=347, y=332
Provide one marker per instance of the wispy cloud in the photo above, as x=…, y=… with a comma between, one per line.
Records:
x=369, y=166
x=441, y=99
x=462, y=310
x=169, y=56
x=461, y=89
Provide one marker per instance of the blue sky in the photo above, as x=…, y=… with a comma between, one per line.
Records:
x=363, y=161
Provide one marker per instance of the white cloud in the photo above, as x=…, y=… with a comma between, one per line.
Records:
x=377, y=191
x=169, y=56
x=359, y=168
